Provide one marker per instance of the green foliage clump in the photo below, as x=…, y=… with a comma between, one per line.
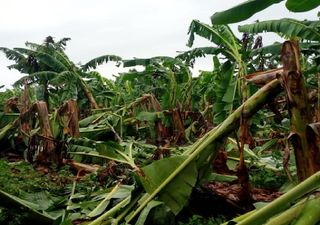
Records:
x=199, y=220
x=11, y=216
x=22, y=178
x=268, y=179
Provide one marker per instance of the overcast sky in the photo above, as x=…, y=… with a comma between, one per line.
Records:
x=128, y=28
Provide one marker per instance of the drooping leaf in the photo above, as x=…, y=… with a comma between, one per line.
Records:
x=36, y=77
x=51, y=62
x=13, y=54
x=54, y=50
x=147, y=61
x=273, y=49
x=220, y=35
x=32, y=208
x=100, y=60
x=199, y=52
x=302, y=5
x=108, y=214
x=5, y=130
x=93, y=133
x=104, y=203
x=285, y=27
x=117, y=192
x=62, y=43
x=26, y=51
x=230, y=92
x=108, y=146
x=224, y=90
x=106, y=150
x=176, y=193
x=6, y=118
x=242, y=11
x=63, y=58
x=145, y=212
x=90, y=119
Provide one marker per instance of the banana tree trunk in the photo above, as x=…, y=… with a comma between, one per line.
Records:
x=297, y=99
x=71, y=112
x=87, y=92
x=44, y=143
x=89, y=95
x=24, y=116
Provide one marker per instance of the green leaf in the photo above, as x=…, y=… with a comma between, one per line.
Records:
x=145, y=212
x=93, y=133
x=5, y=130
x=36, y=77
x=6, y=118
x=111, y=212
x=149, y=116
x=242, y=11
x=104, y=203
x=88, y=120
x=112, y=150
x=148, y=61
x=106, y=150
x=310, y=212
x=100, y=60
x=51, y=62
x=13, y=54
x=230, y=92
x=55, y=125
x=273, y=49
x=177, y=192
x=218, y=107
x=221, y=178
x=199, y=52
x=225, y=87
x=285, y=27
x=35, y=215
x=220, y=35
x=302, y=5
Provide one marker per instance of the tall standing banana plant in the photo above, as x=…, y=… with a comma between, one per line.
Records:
x=47, y=65
x=233, y=68
x=175, y=75
x=291, y=78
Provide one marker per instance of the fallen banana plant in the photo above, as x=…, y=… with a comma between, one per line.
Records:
x=261, y=216
x=184, y=169
x=109, y=151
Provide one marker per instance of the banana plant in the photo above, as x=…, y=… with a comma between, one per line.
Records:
x=248, y=8
x=234, y=68
x=48, y=65
x=174, y=75
x=288, y=28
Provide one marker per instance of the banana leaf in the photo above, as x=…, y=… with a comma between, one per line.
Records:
x=34, y=216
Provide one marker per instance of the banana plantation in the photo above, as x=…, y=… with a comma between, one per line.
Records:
x=239, y=144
